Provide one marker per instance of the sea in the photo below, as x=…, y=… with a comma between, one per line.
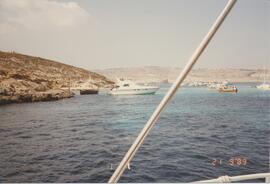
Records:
x=202, y=134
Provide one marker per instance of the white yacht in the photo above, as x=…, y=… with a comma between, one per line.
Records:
x=263, y=86
x=128, y=87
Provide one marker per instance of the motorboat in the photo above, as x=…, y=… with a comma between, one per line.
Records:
x=263, y=86
x=128, y=87
x=228, y=88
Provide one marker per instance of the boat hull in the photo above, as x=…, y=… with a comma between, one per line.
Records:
x=88, y=92
x=228, y=90
x=263, y=87
x=144, y=91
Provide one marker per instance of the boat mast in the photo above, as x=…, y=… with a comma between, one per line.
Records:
x=155, y=116
x=265, y=72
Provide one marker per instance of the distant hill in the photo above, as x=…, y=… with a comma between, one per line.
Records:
x=29, y=78
x=159, y=74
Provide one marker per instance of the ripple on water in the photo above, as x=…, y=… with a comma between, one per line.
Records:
x=80, y=139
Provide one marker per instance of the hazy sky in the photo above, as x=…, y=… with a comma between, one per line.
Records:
x=97, y=34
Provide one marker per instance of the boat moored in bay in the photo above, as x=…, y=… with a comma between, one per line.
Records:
x=128, y=87
x=228, y=88
x=263, y=86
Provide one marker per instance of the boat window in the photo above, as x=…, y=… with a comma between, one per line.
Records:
x=126, y=85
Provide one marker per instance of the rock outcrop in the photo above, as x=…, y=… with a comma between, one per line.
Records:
x=27, y=79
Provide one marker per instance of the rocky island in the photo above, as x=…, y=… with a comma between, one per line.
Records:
x=26, y=78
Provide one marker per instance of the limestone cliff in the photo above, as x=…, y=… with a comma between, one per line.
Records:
x=28, y=78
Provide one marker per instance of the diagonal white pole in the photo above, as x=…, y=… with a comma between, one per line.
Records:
x=155, y=116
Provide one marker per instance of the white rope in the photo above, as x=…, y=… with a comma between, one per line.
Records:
x=224, y=179
x=229, y=179
x=155, y=116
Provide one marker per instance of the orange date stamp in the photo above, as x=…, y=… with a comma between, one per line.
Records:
x=233, y=161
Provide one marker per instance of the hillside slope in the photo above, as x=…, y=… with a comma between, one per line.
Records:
x=158, y=74
x=28, y=78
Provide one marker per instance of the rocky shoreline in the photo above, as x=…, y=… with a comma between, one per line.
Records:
x=49, y=95
x=26, y=78
x=14, y=90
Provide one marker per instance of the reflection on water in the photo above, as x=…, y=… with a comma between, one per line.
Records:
x=79, y=139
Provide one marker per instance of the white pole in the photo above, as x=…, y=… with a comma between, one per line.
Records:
x=153, y=119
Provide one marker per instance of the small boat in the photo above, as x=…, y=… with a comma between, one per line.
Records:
x=88, y=91
x=263, y=86
x=227, y=88
x=128, y=87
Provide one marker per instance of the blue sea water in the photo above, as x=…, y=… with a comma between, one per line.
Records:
x=83, y=139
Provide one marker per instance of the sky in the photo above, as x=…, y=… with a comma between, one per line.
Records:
x=100, y=34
